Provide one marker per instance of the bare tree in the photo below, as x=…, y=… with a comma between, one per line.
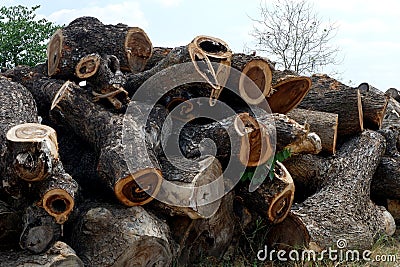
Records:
x=294, y=34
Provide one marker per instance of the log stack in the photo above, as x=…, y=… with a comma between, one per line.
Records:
x=167, y=155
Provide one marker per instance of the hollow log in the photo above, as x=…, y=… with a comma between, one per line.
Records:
x=322, y=123
x=374, y=103
x=255, y=69
x=204, y=237
x=294, y=137
x=189, y=191
x=60, y=254
x=273, y=198
x=288, y=90
x=87, y=35
x=40, y=230
x=10, y=226
x=329, y=95
x=342, y=209
x=111, y=235
x=240, y=136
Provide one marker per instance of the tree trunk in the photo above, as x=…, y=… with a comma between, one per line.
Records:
x=392, y=116
x=329, y=95
x=386, y=181
x=273, y=198
x=60, y=254
x=394, y=93
x=110, y=235
x=288, y=89
x=10, y=226
x=159, y=53
x=342, y=209
x=252, y=69
x=324, y=124
x=194, y=188
x=205, y=237
x=238, y=136
x=374, y=103
x=40, y=230
x=87, y=35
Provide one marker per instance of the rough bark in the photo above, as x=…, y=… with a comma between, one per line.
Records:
x=10, y=226
x=252, y=69
x=111, y=235
x=392, y=116
x=322, y=123
x=374, y=103
x=329, y=95
x=239, y=136
x=204, y=237
x=273, y=198
x=194, y=188
x=342, y=209
x=394, y=93
x=386, y=181
x=289, y=89
x=159, y=53
x=40, y=230
x=60, y=254
x=87, y=35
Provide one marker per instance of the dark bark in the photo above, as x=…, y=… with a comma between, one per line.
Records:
x=60, y=254
x=322, y=123
x=394, y=93
x=159, y=53
x=386, y=181
x=329, y=95
x=87, y=35
x=111, y=235
x=374, y=103
x=10, y=226
x=342, y=209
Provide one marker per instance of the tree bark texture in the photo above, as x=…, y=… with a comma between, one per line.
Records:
x=111, y=235
x=329, y=95
x=87, y=35
x=386, y=181
x=10, y=226
x=322, y=123
x=342, y=209
x=60, y=254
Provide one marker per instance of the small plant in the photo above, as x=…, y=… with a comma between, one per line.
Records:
x=260, y=172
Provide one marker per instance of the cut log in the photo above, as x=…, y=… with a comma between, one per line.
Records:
x=40, y=230
x=392, y=116
x=329, y=95
x=386, y=181
x=394, y=93
x=205, y=237
x=239, y=136
x=289, y=89
x=60, y=254
x=252, y=69
x=192, y=188
x=294, y=137
x=10, y=226
x=104, y=76
x=374, y=103
x=342, y=209
x=392, y=136
x=110, y=235
x=159, y=53
x=87, y=35
x=322, y=123
x=273, y=198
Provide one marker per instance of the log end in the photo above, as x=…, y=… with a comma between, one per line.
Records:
x=255, y=147
x=259, y=72
x=138, y=49
x=288, y=93
x=212, y=46
x=59, y=204
x=54, y=49
x=87, y=66
x=138, y=188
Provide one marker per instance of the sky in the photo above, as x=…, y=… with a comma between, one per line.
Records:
x=368, y=30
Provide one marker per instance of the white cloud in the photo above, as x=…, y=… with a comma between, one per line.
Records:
x=128, y=13
x=169, y=3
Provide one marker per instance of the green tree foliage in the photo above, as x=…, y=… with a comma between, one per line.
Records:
x=23, y=37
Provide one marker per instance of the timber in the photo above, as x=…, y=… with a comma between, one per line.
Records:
x=324, y=124
x=10, y=226
x=342, y=208
x=386, y=181
x=87, y=35
x=329, y=95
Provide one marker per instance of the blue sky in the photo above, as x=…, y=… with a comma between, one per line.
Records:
x=368, y=35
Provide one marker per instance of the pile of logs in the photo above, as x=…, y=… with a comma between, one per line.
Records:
x=71, y=196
